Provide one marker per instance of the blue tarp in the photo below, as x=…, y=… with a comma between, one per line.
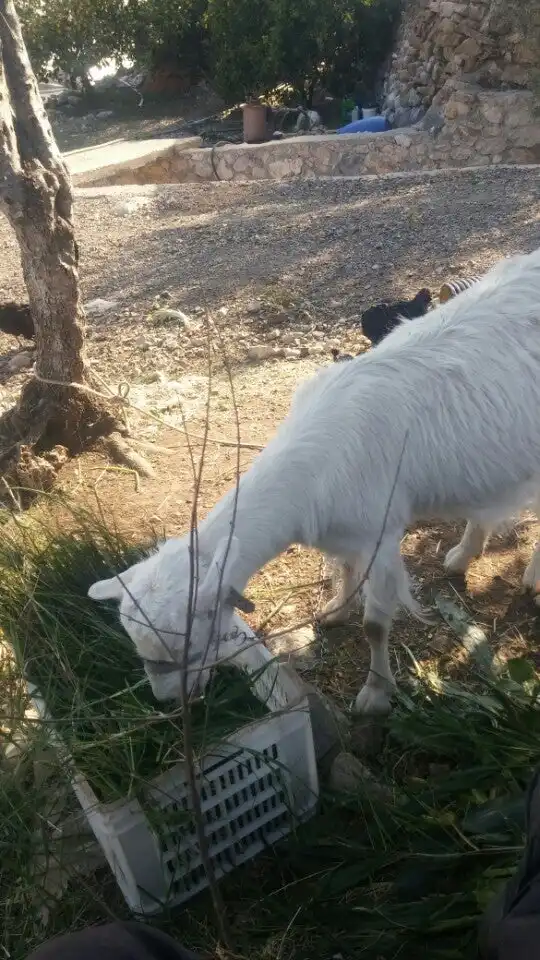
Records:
x=370, y=125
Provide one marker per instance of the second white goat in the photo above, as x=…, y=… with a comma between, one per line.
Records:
x=440, y=420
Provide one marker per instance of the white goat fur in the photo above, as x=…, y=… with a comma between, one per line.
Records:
x=455, y=394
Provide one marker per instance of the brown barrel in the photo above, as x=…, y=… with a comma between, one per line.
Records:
x=255, y=128
x=451, y=288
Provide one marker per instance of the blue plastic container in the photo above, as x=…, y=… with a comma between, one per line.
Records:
x=369, y=125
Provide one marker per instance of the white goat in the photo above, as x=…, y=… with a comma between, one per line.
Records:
x=445, y=411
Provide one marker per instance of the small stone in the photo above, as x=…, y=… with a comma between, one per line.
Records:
x=100, y=307
x=274, y=334
x=252, y=307
x=375, y=266
x=167, y=315
x=260, y=352
x=104, y=114
x=288, y=338
x=292, y=353
x=348, y=774
x=141, y=343
x=367, y=737
x=296, y=648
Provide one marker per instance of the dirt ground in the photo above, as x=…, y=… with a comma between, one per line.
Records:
x=291, y=265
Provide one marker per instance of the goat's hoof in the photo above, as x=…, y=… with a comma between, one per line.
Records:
x=373, y=701
x=334, y=614
x=456, y=561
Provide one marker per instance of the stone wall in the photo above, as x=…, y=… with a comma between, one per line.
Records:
x=482, y=41
x=466, y=126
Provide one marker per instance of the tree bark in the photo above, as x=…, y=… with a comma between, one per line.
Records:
x=36, y=196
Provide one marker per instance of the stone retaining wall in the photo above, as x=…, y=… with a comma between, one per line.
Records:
x=466, y=126
x=482, y=40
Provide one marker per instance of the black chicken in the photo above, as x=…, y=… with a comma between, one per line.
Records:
x=379, y=321
x=16, y=319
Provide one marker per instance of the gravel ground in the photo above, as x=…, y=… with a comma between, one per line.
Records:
x=315, y=253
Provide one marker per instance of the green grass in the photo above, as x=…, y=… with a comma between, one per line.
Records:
x=393, y=876
x=86, y=668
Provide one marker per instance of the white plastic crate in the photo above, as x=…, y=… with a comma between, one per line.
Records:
x=255, y=786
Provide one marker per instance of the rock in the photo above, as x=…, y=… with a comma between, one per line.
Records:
x=100, y=307
x=367, y=737
x=296, y=648
x=348, y=774
x=132, y=206
x=104, y=114
x=21, y=361
x=260, y=352
x=252, y=307
x=291, y=353
x=433, y=121
x=288, y=338
x=168, y=315
x=492, y=112
x=141, y=343
x=470, y=48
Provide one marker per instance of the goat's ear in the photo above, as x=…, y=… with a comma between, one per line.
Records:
x=226, y=555
x=106, y=590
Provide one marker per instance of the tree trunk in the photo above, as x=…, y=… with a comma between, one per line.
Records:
x=36, y=196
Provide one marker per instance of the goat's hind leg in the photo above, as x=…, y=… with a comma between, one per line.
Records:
x=348, y=579
x=469, y=548
x=531, y=577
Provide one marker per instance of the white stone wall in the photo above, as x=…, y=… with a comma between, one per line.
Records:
x=466, y=126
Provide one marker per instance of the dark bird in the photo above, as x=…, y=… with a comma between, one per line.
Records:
x=16, y=319
x=379, y=321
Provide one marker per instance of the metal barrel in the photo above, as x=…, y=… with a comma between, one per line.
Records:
x=452, y=287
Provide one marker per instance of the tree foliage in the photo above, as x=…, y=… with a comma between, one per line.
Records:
x=72, y=36
x=245, y=46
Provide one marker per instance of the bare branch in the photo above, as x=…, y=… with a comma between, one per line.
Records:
x=34, y=135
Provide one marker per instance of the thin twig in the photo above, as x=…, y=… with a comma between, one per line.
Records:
x=215, y=892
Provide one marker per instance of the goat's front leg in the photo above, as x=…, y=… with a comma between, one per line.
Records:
x=348, y=580
x=388, y=580
x=470, y=546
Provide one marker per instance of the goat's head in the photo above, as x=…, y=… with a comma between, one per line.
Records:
x=168, y=600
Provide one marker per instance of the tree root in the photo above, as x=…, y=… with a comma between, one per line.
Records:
x=44, y=430
x=121, y=453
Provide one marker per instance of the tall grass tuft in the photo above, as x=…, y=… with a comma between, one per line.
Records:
x=85, y=667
